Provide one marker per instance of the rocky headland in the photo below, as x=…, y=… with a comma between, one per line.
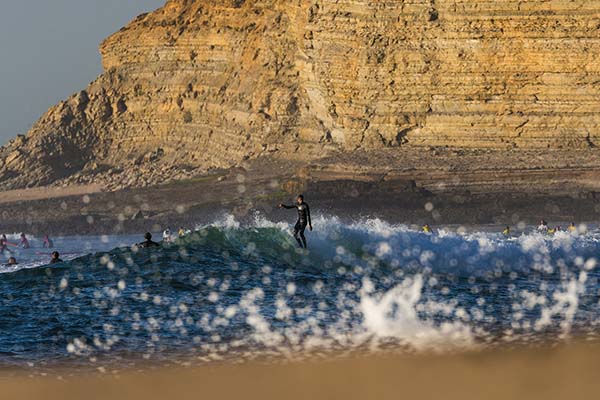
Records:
x=437, y=96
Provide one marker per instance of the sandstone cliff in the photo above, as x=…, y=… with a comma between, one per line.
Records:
x=202, y=84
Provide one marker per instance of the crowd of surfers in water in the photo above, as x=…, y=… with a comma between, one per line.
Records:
x=167, y=238
x=23, y=243
x=303, y=221
x=543, y=228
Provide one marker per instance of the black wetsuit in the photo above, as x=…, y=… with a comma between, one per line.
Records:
x=56, y=261
x=147, y=244
x=303, y=220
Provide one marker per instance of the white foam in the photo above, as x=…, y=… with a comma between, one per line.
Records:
x=393, y=315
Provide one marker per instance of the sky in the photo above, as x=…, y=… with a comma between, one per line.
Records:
x=49, y=50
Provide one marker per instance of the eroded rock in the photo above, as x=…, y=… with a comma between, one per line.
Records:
x=213, y=83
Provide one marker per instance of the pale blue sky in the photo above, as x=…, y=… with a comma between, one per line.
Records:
x=49, y=50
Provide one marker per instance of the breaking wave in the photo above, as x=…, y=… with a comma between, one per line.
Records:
x=240, y=292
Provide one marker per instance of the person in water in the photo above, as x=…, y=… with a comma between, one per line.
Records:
x=48, y=243
x=24, y=242
x=427, y=229
x=167, y=235
x=148, y=242
x=181, y=232
x=304, y=220
x=55, y=258
x=506, y=231
x=572, y=228
x=543, y=228
x=4, y=243
x=12, y=261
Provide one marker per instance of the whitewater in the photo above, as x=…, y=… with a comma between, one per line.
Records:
x=234, y=292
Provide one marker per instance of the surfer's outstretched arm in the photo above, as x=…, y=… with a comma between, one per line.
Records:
x=286, y=207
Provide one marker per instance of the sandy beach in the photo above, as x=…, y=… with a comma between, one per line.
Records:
x=569, y=371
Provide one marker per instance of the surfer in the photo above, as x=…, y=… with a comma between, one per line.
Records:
x=506, y=231
x=48, y=243
x=427, y=229
x=181, y=232
x=4, y=243
x=148, y=242
x=55, y=258
x=303, y=220
x=543, y=228
x=24, y=242
x=167, y=235
x=572, y=228
x=12, y=261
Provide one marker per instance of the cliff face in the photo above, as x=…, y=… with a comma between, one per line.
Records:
x=206, y=83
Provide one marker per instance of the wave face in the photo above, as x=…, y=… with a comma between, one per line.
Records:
x=232, y=292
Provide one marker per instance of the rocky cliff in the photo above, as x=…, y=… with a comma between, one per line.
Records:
x=202, y=84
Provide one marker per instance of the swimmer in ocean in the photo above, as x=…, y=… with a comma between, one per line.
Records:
x=55, y=258
x=148, y=242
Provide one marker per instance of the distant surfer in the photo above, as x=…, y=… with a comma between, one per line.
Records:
x=24, y=242
x=543, y=228
x=48, y=243
x=55, y=258
x=167, y=235
x=181, y=232
x=3, y=243
x=572, y=228
x=12, y=261
x=506, y=231
x=427, y=229
x=304, y=220
x=148, y=242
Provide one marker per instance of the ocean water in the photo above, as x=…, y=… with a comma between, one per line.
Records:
x=233, y=292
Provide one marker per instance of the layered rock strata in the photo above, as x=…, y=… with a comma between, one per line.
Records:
x=206, y=84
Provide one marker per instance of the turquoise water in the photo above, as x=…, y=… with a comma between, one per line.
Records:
x=233, y=292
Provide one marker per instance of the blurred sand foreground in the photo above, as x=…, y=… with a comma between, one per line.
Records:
x=564, y=373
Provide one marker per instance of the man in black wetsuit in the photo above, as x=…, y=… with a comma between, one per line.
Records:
x=148, y=242
x=303, y=220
